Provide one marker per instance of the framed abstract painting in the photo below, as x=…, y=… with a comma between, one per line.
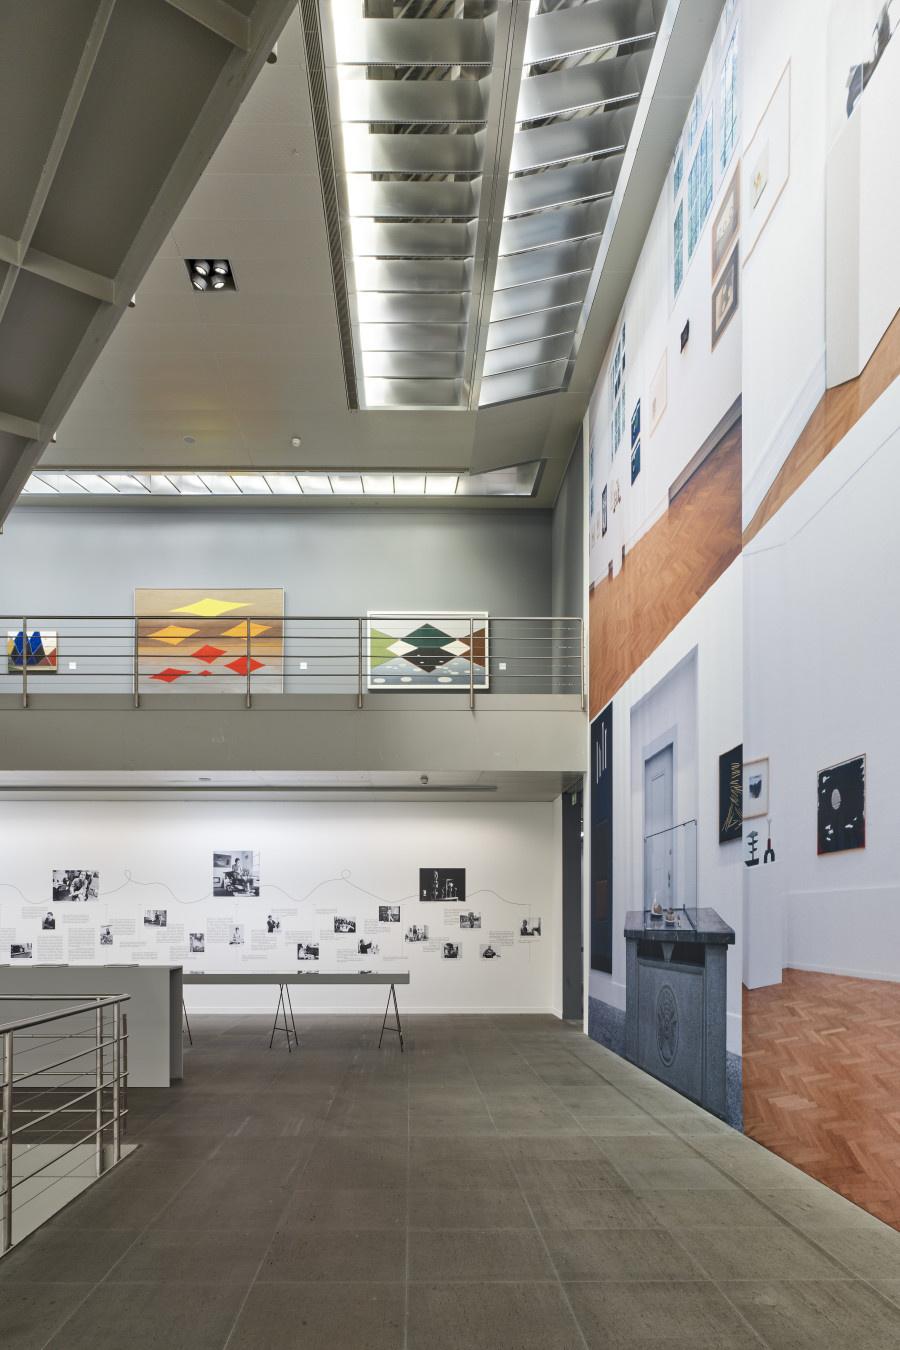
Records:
x=200, y=639
x=435, y=650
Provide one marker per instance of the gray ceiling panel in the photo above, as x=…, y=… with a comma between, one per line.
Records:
x=412, y=337
x=429, y=240
x=413, y=102
x=551, y=227
x=557, y=260
x=450, y=200
x=603, y=133
x=538, y=295
x=412, y=274
x=534, y=353
x=425, y=42
x=540, y=323
x=415, y=365
x=584, y=28
x=40, y=329
x=379, y=307
x=525, y=383
x=382, y=153
x=558, y=187
x=562, y=91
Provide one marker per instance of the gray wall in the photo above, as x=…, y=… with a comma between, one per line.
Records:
x=567, y=539
x=329, y=562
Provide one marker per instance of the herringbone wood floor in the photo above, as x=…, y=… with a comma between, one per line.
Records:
x=822, y=1082
x=837, y=411
x=667, y=571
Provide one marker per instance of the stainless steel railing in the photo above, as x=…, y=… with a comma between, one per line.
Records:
x=64, y=1089
x=280, y=654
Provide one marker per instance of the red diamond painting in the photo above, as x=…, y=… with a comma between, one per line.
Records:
x=169, y=674
x=208, y=654
x=240, y=665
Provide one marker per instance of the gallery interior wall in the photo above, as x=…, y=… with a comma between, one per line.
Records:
x=328, y=562
x=316, y=860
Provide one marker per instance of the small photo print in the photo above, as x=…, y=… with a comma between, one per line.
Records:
x=49, y=920
x=235, y=872
x=197, y=943
x=417, y=932
x=20, y=951
x=487, y=952
x=106, y=935
x=451, y=951
x=76, y=884
x=470, y=920
x=344, y=925
x=156, y=918
x=443, y=883
x=388, y=913
x=366, y=947
x=237, y=936
x=530, y=928
x=307, y=951
x=755, y=789
x=273, y=925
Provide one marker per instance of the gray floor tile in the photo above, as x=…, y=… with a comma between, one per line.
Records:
x=588, y=1174
x=52, y=1252
x=813, y=1209
x=611, y=1127
x=674, y=1174
x=867, y=1252
x=758, y=1254
x=147, y=1316
x=297, y=1256
x=619, y=1254
x=321, y=1317
x=504, y=1254
x=491, y=1317
x=550, y=1148
x=817, y=1315
x=468, y=1207
x=357, y=1164
x=193, y=1256
x=460, y=1172
x=644, y=1148
x=336, y=1209
x=641, y=1316
x=589, y=1209
x=708, y=1209
x=230, y=1194
x=484, y=1148
x=31, y=1313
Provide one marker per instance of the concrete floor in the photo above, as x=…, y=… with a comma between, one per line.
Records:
x=506, y=1184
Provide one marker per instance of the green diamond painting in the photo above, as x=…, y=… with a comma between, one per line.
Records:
x=434, y=651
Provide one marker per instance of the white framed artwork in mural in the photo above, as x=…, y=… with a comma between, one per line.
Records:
x=756, y=788
x=766, y=165
x=659, y=392
x=434, y=649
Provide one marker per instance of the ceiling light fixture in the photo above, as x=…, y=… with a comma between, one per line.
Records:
x=210, y=274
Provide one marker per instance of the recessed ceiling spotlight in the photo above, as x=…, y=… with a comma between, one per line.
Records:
x=190, y=440
x=210, y=274
x=296, y=442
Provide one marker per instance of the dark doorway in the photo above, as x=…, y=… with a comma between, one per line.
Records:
x=572, y=919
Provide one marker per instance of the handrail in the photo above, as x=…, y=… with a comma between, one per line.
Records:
x=100, y=1083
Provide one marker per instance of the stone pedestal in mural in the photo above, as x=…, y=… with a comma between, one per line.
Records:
x=675, y=1000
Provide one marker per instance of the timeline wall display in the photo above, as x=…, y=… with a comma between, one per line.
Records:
x=443, y=883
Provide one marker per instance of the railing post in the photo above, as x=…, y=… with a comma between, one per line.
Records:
x=117, y=1069
x=98, y=1091
x=7, y=1161
x=471, y=663
x=25, y=650
x=359, y=663
x=135, y=673
x=248, y=662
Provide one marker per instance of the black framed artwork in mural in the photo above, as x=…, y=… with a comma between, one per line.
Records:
x=443, y=883
x=841, y=816
x=731, y=794
x=601, y=841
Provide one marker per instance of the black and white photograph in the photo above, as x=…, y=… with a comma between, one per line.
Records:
x=49, y=920
x=273, y=925
x=20, y=951
x=76, y=884
x=155, y=918
x=366, y=947
x=197, y=943
x=470, y=920
x=530, y=928
x=237, y=936
x=417, y=932
x=755, y=789
x=841, y=816
x=236, y=872
x=106, y=935
x=344, y=925
x=307, y=951
x=388, y=913
x=451, y=951
x=487, y=952
x=443, y=883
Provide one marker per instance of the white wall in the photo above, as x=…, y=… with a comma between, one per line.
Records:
x=315, y=859
x=713, y=627
x=701, y=384
x=821, y=679
x=783, y=281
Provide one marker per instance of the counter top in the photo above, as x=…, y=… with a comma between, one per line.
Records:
x=710, y=929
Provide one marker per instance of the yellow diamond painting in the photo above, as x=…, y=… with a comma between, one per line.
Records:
x=214, y=654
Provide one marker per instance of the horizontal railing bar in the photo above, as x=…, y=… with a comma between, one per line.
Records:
x=90, y=1092
x=70, y=1059
x=40, y=1020
x=301, y=618
x=79, y=1144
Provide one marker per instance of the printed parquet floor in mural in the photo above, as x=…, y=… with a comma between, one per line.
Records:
x=822, y=1082
x=666, y=572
